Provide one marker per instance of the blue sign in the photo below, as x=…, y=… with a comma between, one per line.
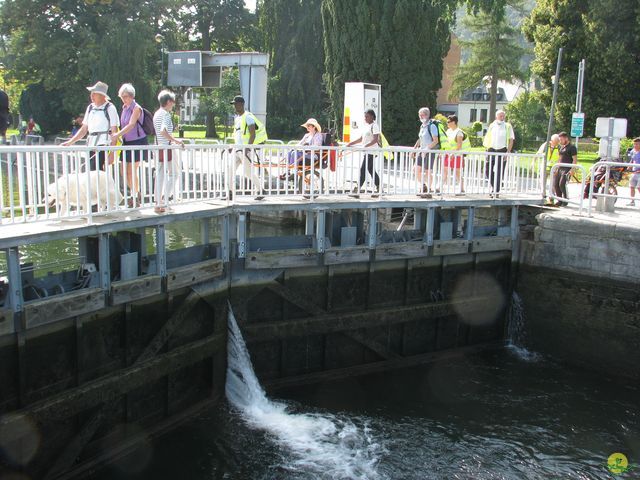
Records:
x=577, y=125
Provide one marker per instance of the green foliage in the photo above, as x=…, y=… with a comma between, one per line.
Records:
x=441, y=118
x=292, y=35
x=399, y=44
x=494, y=53
x=219, y=25
x=215, y=102
x=604, y=32
x=65, y=46
x=46, y=108
x=528, y=116
x=475, y=128
x=193, y=128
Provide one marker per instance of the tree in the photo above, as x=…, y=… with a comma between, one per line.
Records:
x=603, y=32
x=215, y=102
x=494, y=54
x=292, y=35
x=399, y=44
x=216, y=24
x=528, y=116
x=66, y=45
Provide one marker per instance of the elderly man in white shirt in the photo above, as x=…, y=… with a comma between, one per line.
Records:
x=499, y=138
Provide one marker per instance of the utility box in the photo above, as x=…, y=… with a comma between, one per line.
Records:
x=193, y=69
x=359, y=97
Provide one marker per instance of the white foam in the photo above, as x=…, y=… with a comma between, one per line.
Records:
x=319, y=443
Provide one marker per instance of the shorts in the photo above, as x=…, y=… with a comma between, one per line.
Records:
x=453, y=161
x=424, y=159
x=135, y=155
x=634, y=182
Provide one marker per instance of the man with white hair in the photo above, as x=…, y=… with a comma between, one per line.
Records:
x=428, y=139
x=499, y=139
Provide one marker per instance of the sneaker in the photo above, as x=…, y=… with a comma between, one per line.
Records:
x=355, y=193
x=631, y=204
x=259, y=197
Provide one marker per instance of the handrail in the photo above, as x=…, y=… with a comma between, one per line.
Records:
x=582, y=183
x=607, y=165
x=37, y=177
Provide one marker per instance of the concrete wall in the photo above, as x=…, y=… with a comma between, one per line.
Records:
x=578, y=278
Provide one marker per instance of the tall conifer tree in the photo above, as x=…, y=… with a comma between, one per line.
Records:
x=399, y=44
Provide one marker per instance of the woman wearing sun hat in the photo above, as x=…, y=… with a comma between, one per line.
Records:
x=313, y=137
x=100, y=122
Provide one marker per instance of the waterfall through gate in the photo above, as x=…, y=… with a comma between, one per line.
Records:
x=321, y=444
x=516, y=330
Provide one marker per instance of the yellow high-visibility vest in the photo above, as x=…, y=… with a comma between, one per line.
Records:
x=261, y=132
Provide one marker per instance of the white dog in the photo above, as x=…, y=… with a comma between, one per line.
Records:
x=83, y=190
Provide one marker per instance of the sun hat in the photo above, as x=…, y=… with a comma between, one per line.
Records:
x=101, y=88
x=314, y=122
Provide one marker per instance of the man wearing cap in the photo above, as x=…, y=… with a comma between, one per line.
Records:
x=248, y=130
x=100, y=121
x=499, y=139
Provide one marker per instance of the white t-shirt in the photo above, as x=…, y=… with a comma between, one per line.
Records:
x=452, y=136
x=97, y=123
x=237, y=127
x=499, y=135
x=369, y=131
x=162, y=121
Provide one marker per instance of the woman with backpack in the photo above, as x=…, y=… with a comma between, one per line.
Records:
x=132, y=133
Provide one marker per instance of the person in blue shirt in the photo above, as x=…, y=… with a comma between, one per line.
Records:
x=634, y=181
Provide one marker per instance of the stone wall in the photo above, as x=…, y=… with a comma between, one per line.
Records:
x=595, y=247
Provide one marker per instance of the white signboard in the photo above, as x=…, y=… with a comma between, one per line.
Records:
x=604, y=127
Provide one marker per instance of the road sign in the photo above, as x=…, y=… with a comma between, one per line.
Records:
x=611, y=127
x=577, y=124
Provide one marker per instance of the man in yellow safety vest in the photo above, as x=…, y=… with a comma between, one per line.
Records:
x=499, y=139
x=248, y=130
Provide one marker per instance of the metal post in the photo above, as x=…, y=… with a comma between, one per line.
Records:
x=242, y=235
x=373, y=228
x=161, y=251
x=579, y=90
x=320, y=231
x=431, y=219
x=204, y=232
x=550, y=127
x=105, y=262
x=470, y=220
x=224, y=244
x=15, y=283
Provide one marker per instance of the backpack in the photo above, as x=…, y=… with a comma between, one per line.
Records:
x=442, y=130
x=147, y=122
x=106, y=114
x=329, y=158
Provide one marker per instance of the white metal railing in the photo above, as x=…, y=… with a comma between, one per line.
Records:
x=53, y=182
x=603, y=182
x=554, y=172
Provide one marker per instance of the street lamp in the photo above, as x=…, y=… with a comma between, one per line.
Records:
x=160, y=39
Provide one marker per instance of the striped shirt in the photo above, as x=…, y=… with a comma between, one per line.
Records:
x=162, y=121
